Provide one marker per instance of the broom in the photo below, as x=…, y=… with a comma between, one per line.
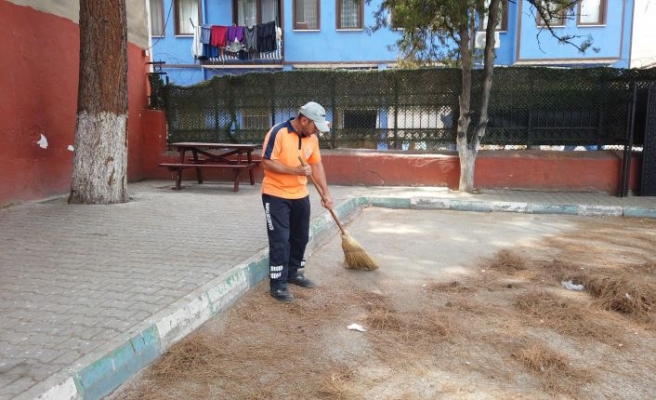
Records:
x=356, y=257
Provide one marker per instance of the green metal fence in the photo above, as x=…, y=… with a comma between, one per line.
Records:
x=412, y=109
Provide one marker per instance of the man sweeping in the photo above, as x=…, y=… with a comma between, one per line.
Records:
x=285, y=195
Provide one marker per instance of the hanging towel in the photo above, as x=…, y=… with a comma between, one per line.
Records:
x=205, y=34
x=235, y=38
x=250, y=34
x=236, y=33
x=266, y=37
x=196, y=45
x=218, y=36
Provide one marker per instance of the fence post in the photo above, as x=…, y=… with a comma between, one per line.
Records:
x=529, y=125
x=628, y=147
x=396, y=111
x=215, y=104
x=333, y=131
x=648, y=181
x=272, y=99
x=600, y=122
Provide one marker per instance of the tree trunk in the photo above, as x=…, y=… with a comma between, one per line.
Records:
x=488, y=70
x=100, y=161
x=468, y=149
x=467, y=159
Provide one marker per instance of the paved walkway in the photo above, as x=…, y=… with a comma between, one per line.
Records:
x=91, y=294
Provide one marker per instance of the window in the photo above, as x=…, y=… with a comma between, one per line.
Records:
x=592, y=12
x=350, y=14
x=557, y=17
x=186, y=11
x=502, y=22
x=156, y=17
x=253, y=12
x=306, y=14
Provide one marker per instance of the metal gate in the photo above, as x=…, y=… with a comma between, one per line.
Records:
x=648, y=182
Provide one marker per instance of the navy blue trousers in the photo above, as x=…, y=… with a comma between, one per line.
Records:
x=288, y=228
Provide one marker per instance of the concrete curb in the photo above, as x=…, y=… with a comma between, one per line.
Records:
x=95, y=376
x=509, y=206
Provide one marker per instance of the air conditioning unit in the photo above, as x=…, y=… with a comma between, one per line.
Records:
x=479, y=40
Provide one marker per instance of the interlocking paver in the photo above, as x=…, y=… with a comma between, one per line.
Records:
x=80, y=281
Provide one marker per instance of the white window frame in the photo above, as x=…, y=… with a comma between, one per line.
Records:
x=304, y=24
x=156, y=9
x=502, y=23
x=264, y=11
x=359, y=7
x=560, y=22
x=601, y=18
x=183, y=24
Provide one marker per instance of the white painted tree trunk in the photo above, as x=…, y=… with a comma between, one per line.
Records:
x=468, y=146
x=467, y=168
x=100, y=162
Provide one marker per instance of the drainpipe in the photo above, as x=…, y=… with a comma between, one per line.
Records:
x=203, y=13
x=150, y=37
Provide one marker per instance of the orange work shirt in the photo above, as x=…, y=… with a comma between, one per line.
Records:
x=284, y=144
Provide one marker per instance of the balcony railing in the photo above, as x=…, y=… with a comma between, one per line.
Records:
x=247, y=58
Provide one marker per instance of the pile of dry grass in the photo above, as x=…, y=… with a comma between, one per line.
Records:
x=556, y=271
x=188, y=359
x=543, y=360
x=507, y=261
x=548, y=310
x=448, y=287
x=420, y=326
x=629, y=290
x=338, y=384
x=627, y=294
x=554, y=369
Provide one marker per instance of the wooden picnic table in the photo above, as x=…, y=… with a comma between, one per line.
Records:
x=199, y=155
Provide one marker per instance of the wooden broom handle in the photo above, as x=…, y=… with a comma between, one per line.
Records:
x=316, y=186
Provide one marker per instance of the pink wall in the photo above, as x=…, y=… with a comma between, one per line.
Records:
x=38, y=96
x=521, y=169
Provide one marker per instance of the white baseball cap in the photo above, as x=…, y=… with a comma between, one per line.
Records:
x=317, y=114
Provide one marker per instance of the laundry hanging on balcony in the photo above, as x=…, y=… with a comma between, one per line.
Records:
x=218, y=42
x=266, y=37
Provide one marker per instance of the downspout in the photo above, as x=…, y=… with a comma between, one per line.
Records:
x=631, y=34
x=151, y=69
x=203, y=13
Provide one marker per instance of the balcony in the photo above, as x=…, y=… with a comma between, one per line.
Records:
x=222, y=57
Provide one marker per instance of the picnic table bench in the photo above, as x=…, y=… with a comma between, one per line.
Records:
x=235, y=156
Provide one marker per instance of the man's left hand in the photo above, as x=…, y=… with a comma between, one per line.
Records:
x=327, y=201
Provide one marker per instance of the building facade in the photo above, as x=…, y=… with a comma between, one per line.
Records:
x=337, y=34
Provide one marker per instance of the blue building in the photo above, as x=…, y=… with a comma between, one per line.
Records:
x=334, y=34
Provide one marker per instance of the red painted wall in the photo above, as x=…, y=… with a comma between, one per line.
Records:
x=520, y=169
x=38, y=96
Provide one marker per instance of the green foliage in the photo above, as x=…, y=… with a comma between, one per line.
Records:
x=431, y=29
x=414, y=108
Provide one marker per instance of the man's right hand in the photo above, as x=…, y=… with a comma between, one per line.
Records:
x=304, y=170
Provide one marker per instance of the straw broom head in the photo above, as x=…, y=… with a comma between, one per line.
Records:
x=356, y=257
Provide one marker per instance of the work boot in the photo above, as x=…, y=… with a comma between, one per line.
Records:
x=282, y=295
x=301, y=280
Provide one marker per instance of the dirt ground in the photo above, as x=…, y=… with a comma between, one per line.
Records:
x=464, y=306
